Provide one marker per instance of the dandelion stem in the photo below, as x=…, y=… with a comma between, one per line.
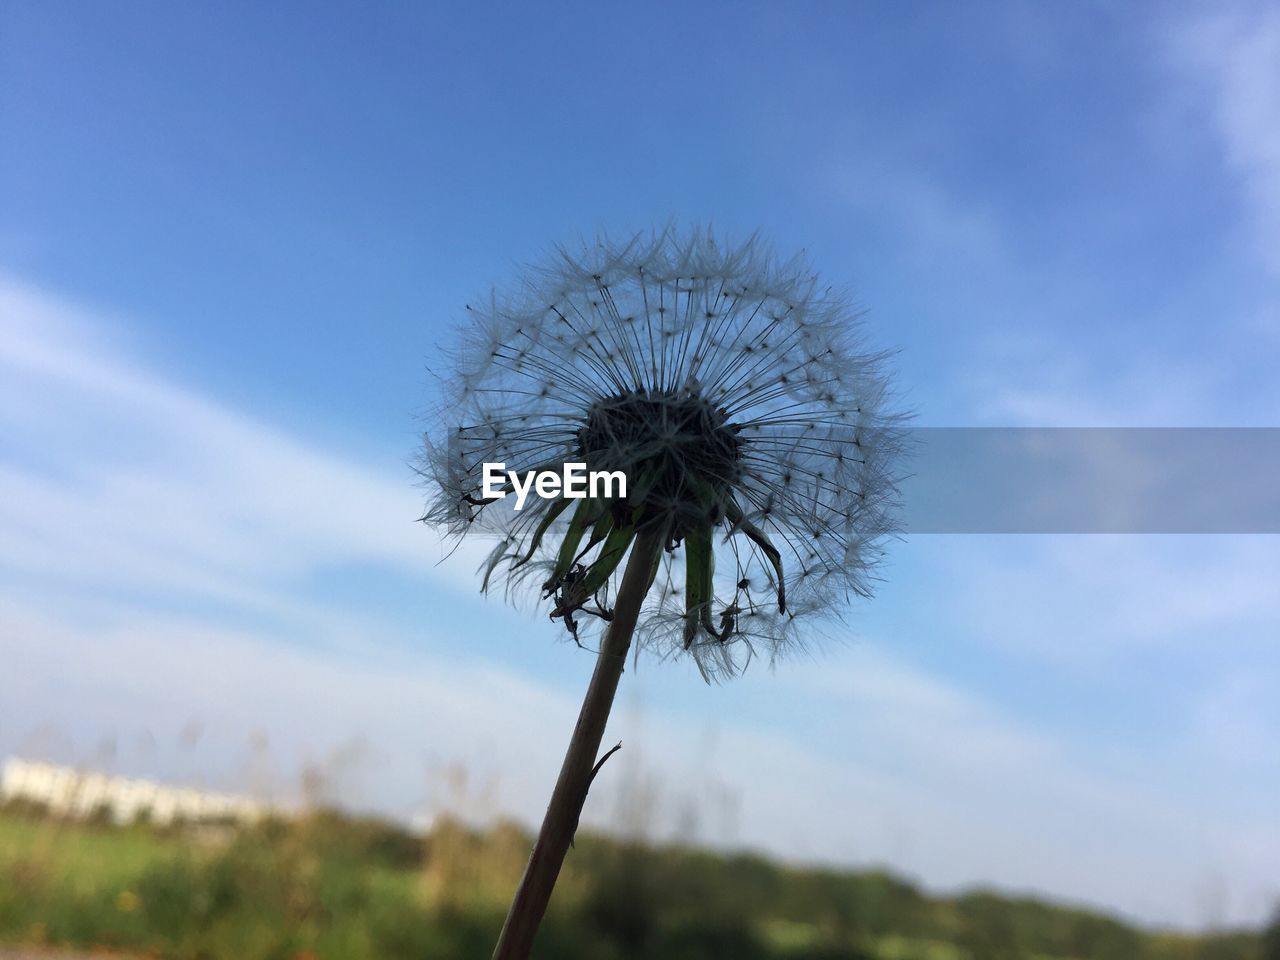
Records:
x=561, y=820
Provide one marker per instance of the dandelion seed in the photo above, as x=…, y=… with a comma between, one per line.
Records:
x=729, y=388
x=758, y=442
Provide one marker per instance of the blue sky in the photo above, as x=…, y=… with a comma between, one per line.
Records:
x=232, y=237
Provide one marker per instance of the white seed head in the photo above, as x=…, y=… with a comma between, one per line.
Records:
x=729, y=388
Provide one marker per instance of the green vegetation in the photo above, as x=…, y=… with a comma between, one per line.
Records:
x=330, y=887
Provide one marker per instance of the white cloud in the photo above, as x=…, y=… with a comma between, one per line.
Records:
x=1235, y=49
x=120, y=490
x=1236, y=721
x=1044, y=382
x=1111, y=600
x=115, y=476
x=981, y=788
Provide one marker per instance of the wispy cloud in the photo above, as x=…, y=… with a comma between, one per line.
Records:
x=121, y=491
x=1121, y=841
x=116, y=476
x=1234, y=50
x=1108, y=600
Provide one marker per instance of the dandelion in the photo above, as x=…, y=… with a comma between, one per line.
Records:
x=757, y=441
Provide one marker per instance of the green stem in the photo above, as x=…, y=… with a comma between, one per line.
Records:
x=561, y=820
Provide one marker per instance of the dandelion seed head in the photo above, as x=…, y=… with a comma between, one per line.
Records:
x=729, y=387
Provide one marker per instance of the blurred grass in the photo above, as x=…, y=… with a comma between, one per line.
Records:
x=330, y=887
x=75, y=854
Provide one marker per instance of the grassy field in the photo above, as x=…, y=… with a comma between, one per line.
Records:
x=328, y=887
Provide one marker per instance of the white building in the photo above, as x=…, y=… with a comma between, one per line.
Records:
x=65, y=791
